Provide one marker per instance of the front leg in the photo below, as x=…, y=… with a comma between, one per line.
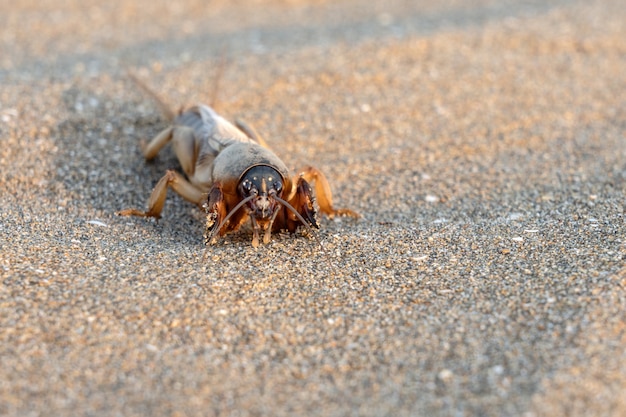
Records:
x=216, y=212
x=323, y=193
x=222, y=212
x=303, y=202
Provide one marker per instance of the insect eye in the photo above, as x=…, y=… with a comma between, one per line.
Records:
x=278, y=186
x=247, y=187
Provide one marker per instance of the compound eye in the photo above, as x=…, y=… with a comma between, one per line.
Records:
x=247, y=186
x=278, y=186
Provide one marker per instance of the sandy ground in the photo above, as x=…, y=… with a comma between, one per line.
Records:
x=484, y=143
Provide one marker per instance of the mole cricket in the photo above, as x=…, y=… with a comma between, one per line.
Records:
x=233, y=175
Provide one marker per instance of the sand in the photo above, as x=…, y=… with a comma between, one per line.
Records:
x=483, y=142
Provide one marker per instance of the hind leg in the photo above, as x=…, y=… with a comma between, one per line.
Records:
x=183, y=143
x=176, y=182
x=151, y=150
x=185, y=148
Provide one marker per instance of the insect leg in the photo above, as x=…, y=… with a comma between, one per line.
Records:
x=251, y=132
x=216, y=212
x=302, y=203
x=323, y=193
x=157, y=199
x=222, y=219
x=185, y=148
x=157, y=143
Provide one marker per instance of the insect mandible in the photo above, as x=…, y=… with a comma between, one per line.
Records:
x=233, y=175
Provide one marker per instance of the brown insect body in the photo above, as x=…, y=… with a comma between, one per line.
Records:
x=233, y=175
